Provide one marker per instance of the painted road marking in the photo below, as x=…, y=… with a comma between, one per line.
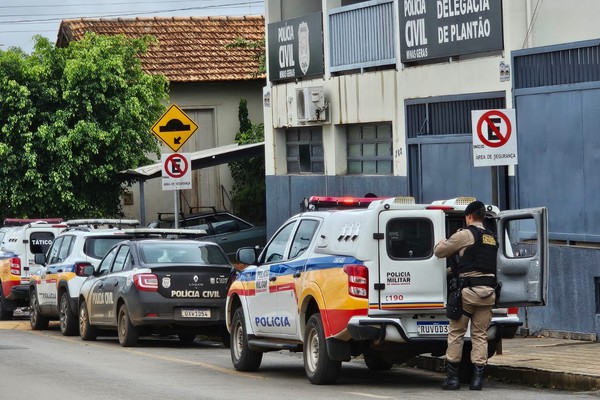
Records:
x=25, y=326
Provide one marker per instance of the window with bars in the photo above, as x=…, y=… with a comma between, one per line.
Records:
x=370, y=149
x=304, y=150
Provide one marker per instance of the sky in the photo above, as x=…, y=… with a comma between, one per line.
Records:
x=21, y=20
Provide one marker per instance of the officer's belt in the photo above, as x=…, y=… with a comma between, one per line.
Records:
x=479, y=281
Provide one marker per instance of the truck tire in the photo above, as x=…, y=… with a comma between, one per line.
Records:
x=86, y=330
x=242, y=357
x=6, y=313
x=319, y=368
x=68, y=319
x=128, y=334
x=36, y=319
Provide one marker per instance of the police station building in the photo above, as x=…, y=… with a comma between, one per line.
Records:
x=377, y=97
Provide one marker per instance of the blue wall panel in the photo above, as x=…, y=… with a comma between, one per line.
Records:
x=284, y=193
x=571, y=293
x=590, y=104
x=447, y=172
x=551, y=154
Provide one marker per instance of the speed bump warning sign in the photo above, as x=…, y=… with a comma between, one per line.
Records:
x=174, y=128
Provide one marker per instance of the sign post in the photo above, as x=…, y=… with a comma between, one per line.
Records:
x=174, y=128
x=494, y=142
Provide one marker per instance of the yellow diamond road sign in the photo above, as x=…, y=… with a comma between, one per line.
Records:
x=174, y=128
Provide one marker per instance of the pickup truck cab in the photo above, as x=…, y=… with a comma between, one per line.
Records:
x=22, y=239
x=343, y=283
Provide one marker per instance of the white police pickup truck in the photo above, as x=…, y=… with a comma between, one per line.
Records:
x=343, y=283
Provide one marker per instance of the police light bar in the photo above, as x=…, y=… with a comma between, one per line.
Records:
x=342, y=202
x=25, y=221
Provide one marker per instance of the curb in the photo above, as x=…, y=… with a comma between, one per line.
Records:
x=518, y=375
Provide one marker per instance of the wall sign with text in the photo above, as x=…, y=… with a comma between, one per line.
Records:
x=432, y=29
x=296, y=47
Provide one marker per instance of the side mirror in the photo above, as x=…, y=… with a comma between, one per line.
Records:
x=247, y=255
x=84, y=269
x=40, y=258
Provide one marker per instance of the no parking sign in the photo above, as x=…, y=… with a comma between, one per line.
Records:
x=494, y=137
x=176, y=171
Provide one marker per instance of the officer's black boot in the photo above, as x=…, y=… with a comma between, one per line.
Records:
x=477, y=380
x=452, y=382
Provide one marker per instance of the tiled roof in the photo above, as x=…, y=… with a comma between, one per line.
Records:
x=190, y=49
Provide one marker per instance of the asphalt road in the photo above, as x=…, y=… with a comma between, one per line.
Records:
x=41, y=365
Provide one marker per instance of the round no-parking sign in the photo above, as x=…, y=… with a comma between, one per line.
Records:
x=494, y=137
x=176, y=171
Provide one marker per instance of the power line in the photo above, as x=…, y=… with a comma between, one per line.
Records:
x=105, y=4
x=60, y=17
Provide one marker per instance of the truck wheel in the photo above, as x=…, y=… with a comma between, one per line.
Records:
x=68, y=319
x=242, y=357
x=36, y=319
x=86, y=330
x=375, y=363
x=128, y=334
x=5, y=312
x=319, y=368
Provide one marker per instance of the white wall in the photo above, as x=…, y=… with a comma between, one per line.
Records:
x=380, y=96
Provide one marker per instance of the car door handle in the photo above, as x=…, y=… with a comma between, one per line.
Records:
x=297, y=274
x=59, y=270
x=272, y=278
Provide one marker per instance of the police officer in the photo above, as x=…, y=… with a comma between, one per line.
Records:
x=476, y=248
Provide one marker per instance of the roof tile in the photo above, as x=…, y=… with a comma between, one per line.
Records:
x=196, y=43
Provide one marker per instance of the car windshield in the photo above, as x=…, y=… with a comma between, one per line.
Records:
x=177, y=253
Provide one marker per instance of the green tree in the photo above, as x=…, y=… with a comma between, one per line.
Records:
x=248, y=192
x=71, y=119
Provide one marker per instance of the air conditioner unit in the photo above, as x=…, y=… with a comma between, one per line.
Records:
x=311, y=105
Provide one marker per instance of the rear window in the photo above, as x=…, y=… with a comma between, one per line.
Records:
x=97, y=247
x=182, y=253
x=409, y=238
x=40, y=242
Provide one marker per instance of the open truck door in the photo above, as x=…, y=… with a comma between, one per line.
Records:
x=522, y=267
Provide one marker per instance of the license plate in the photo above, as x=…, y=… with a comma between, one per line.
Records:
x=432, y=328
x=187, y=313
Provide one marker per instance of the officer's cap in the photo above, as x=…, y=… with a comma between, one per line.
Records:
x=474, y=206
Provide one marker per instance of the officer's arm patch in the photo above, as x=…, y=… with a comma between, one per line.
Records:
x=488, y=239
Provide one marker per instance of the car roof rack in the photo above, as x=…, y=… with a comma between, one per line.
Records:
x=25, y=221
x=168, y=216
x=191, y=210
x=97, y=223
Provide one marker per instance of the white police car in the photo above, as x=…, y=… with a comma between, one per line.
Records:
x=54, y=286
x=339, y=284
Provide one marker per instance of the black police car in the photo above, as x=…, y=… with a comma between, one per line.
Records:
x=156, y=285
